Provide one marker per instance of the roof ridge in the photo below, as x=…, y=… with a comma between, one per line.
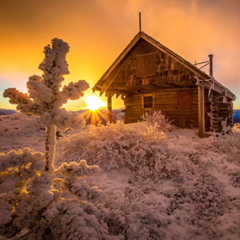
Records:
x=142, y=35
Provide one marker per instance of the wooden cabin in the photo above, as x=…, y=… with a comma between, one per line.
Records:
x=149, y=76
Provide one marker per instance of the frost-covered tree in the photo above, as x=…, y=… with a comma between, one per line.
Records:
x=46, y=96
x=36, y=204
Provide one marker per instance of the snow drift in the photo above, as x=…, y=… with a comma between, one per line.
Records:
x=139, y=181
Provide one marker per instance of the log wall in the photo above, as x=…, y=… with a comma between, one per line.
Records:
x=207, y=104
x=221, y=112
x=183, y=112
x=133, y=108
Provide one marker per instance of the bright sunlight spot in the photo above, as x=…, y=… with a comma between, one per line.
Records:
x=94, y=103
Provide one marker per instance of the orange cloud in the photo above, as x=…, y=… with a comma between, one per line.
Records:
x=98, y=30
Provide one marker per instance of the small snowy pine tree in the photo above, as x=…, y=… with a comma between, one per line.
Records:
x=46, y=96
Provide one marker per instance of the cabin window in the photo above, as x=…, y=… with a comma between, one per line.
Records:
x=148, y=101
x=146, y=65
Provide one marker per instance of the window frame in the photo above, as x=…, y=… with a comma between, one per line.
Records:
x=153, y=101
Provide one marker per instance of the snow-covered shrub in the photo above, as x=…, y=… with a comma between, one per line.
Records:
x=135, y=218
x=74, y=181
x=205, y=201
x=235, y=178
x=134, y=147
x=116, y=146
x=230, y=146
x=46, y=96
x=209, y=197
x=159, y=120
x=36, y=204
x=24, y=188
x=76, y=220
x=236, y=128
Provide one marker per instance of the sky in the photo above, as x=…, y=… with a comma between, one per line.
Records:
x=98, y=30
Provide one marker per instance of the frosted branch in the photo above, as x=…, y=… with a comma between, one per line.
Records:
x=16, y=97
x=77, y=169
x=38, y=91
x=74, y=91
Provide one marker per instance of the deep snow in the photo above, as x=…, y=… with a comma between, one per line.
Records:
x=154, y=184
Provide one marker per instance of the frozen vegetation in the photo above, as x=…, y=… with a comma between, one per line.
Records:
x=138, y=181
x=46, y=95
x=142, y=181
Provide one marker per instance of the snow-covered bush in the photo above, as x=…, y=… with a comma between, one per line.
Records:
x=235, y=178
x=205, y=201
x=24, y=188
x=46, y=96
x=229, y=145
x=76, y=220
x=236, y=129
x=136, y=219
x=115, y=146
x=159, y=120
x=138, y=148
x=36, y=204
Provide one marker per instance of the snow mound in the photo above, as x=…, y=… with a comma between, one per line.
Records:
x=18, y=124
x=164, y=185
x=153, y=184
x=19, y=130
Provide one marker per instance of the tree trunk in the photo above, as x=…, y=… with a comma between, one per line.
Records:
x=50, y=147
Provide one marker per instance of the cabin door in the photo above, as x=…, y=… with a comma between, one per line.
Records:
x=184, y=102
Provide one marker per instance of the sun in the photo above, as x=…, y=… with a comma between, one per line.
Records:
x=94, y=103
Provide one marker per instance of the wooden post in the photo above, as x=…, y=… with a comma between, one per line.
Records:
x=201, y=112
x=109, y=105
x=140, y=22
x=210, y=64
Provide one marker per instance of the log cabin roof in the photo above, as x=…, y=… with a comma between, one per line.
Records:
x=108, y=77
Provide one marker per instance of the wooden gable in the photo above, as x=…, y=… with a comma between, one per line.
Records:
x=133, y=70
x=145, y=67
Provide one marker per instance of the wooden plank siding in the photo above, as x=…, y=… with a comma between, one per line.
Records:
x=167, y=102
x=207, y=104
x=167, y=70
x=133, y=105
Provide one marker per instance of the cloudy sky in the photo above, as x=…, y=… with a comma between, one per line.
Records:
x=98, y=30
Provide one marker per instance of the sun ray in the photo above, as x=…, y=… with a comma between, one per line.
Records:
x=94, y=103
x=96, y=117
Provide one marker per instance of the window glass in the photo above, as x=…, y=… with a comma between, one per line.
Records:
x=148, y=102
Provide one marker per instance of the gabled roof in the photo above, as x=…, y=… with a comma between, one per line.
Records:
x=105, y=81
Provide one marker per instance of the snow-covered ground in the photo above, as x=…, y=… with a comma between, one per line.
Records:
x=153, y=184
x=18, y=131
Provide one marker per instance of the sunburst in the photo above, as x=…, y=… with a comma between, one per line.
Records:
x=94, y=103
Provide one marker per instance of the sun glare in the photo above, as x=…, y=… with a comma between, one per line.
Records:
x=94, y=103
